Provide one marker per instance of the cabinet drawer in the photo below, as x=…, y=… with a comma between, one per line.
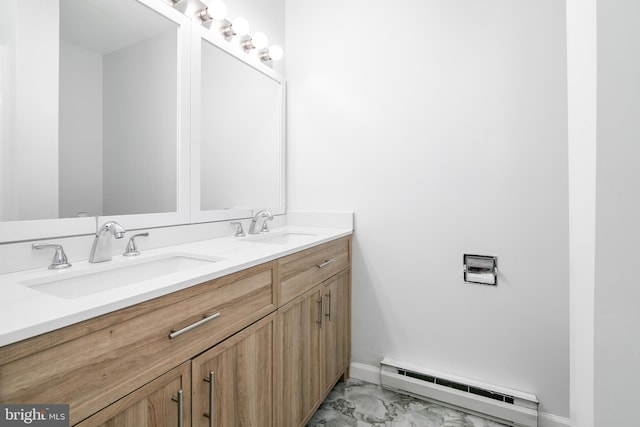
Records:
x=92, y=364
x=301, y=271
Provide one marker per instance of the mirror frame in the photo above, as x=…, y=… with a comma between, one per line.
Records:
x=198, y=215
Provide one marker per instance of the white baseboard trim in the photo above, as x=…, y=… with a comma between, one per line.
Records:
x=368, y=373
x=550, y=420
x=371, y=374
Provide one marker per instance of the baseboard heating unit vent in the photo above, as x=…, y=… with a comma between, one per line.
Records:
x=501, y=404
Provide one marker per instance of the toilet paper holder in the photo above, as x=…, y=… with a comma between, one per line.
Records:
x=481, y=269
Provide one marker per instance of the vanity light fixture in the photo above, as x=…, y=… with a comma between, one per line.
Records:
x=274, y=53
x=181, y=5
x=215, y=10
x=257, y=41
x=239, y=27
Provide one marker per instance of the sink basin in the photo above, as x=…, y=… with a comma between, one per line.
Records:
x=282, y=238
x=76, y=285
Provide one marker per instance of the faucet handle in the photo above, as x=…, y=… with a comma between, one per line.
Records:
x=239, y=229
x=59, y=260
x=265, y=226
x=132, y=249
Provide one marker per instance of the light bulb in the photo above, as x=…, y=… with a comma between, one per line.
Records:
x=276, y=52
x=240, y=26
x=259, y=41
x=217, y=10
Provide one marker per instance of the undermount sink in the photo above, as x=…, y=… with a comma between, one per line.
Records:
x=281, y=238
x=76, y=285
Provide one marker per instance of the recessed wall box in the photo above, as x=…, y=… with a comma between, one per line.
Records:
x=481, y=269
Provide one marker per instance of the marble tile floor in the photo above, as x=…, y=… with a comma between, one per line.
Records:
x=355, y=403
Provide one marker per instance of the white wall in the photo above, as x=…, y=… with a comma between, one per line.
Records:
x=140, y=161
x=33, y=174
x=445, y=137
x=80, y=131
x=8, y=13
x=617, y=342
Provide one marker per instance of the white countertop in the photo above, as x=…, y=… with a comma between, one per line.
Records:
x=26, y=312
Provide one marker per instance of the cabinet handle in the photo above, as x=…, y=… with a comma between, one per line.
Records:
x=206, y=319
x=321, y=302
x=325, y=263
x=211, y=414
x=180, y=400
x=329, y=313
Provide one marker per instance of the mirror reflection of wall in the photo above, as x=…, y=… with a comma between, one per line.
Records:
x=95, y=114
x=127, y=74
x=90, y=126
x=29, y=104
x=240, y=160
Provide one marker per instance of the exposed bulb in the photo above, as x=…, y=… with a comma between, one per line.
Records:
x=240, y=26
x=259, y=40
x=217, y=10
x=276, y=52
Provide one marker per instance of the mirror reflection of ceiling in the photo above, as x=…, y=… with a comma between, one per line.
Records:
x=104, y=26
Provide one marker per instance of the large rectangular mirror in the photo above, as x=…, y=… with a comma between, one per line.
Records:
x=92, y=97
x=117, y=109
x=130, y=110
x=238, y=137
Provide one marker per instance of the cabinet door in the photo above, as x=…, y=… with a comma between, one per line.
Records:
x=299, y=325
x=233, y=382
x=336, y=337
x=165, y=401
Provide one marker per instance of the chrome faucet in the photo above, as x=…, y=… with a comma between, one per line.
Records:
x=265, y=228
x=101, y=249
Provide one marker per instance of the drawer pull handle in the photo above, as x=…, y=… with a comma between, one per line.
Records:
x=180, y=400
x=206, y=319
x=211, y=414
x=321, y=312
x=324, y=264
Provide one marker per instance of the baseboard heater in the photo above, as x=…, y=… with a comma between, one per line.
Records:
x=500, y=404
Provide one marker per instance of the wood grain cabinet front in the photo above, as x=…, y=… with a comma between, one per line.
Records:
x=303, y=270
x=164, y=402
x=233, y=382
x=92, y=364
x=336, y=332
x=313, y=338
x=258, y=348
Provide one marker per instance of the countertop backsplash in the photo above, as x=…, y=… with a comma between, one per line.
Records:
x=19, y=256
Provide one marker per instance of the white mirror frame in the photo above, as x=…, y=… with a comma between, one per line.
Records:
x=197, y=214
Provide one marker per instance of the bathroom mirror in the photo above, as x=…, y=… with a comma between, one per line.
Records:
x=238, y=165
x=129, y=110
x=117, y=109
x=92, y=123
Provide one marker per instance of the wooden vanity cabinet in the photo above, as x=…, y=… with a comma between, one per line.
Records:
x=92, y=364
x=313, y=329
x=275, y=342
x=234, y=380
x=299, y=358
x=336, y=337
x=164, y=402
